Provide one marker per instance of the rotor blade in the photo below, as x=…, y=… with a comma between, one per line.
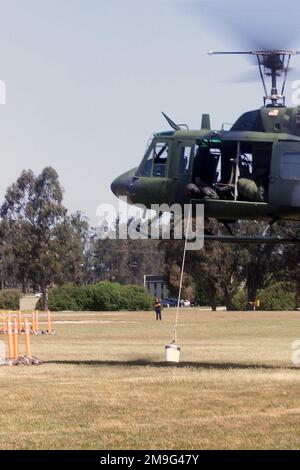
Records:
x=252, y=76
x=256, y=25
x=256, y=53
x=248, y=76
x=229, y=53
x=172, y=123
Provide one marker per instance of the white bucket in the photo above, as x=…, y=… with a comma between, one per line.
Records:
x=172, y=352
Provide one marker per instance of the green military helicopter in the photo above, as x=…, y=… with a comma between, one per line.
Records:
x=250, y=172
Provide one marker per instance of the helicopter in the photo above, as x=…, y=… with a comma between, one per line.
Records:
x=249, y=172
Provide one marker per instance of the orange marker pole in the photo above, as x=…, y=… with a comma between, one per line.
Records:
x=27, y=339
x=37, y=320
x=20, y=321
x=33, y=321
x=10, y=340
x=49, y=323
x=16, y=340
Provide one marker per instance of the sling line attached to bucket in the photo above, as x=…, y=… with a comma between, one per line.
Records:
x=181, y=276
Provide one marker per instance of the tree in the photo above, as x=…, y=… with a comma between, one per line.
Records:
x=75, y=235
x=290, y=257
x=126, y=261
x=45, y=242
x=260, y=263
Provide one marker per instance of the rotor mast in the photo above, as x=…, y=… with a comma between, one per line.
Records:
x=273, y=64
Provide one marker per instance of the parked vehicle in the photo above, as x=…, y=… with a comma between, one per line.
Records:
x=185, y=303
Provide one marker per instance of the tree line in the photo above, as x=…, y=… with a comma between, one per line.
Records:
x=236, y=274
x=43, y=245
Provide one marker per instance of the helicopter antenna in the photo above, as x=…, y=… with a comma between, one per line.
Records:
x=176, y=127
x=172, y=123
x=273, y=64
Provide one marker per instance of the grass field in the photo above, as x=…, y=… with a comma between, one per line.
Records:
x=104, y=385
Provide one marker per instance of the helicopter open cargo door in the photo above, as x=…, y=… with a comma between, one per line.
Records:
x=284, y=188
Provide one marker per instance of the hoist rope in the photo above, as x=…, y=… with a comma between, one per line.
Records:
x=181, y=276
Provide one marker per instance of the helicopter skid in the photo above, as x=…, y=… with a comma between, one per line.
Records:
x=251, y=240
x=244, y=210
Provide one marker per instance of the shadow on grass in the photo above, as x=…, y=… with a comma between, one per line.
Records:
x=181, y=365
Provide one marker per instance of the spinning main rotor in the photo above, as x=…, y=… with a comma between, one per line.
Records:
x=273, y=64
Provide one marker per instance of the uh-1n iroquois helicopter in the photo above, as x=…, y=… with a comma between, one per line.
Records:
x=250, y=172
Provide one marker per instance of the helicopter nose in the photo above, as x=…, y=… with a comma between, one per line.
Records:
x=121, y=185
x=115, y=187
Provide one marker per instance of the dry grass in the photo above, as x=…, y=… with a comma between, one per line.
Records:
x=104, y=385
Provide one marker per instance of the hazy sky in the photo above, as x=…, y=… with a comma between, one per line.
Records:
x=87, y=79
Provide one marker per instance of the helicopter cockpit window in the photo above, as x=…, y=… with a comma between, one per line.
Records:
x=147, y=164
x=155, y=160
x=290, y=166
x=160, y=159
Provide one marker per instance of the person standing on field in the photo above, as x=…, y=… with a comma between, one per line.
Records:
x=158, y=309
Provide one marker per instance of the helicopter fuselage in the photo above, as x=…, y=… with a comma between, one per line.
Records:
x=249, y=172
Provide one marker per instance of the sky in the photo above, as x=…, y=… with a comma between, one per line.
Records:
x=86, y=81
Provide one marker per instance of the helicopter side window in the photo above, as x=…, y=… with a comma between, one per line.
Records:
x=185, y=159
x=246, y=164
x=160, y=159
x=290, y=166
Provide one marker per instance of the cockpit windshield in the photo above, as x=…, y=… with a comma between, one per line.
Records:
x=155, y=160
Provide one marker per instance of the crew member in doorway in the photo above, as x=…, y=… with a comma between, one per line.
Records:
x=158, y=309
x=204, y=174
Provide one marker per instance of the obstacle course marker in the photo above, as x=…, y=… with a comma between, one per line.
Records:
x=49, y=322
x=21, y=324
x=16, y=340
x=10, y=340
x=27, y=340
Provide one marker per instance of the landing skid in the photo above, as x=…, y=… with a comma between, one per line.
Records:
x=243, y=239
x=251, y=240
x=261, y=239
x=265, y=238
